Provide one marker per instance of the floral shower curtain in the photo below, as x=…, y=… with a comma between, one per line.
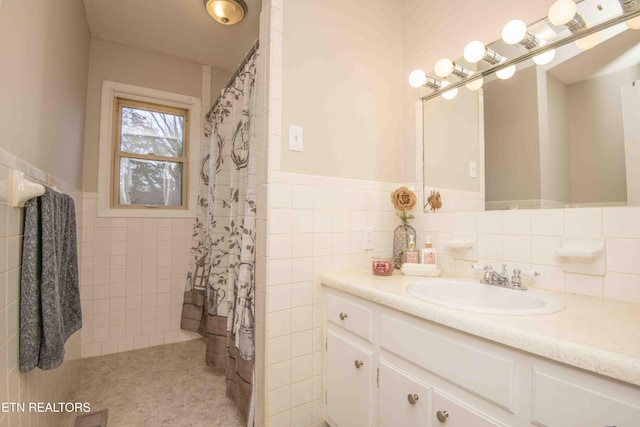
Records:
x=219, y=299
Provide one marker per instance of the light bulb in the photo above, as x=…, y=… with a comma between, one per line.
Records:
x=545, y=58
x=506, y=73
x=417, y=78
x=450, y=94
x=589, y=41
x=514, y=31
x=474, y=51
x=634, y=23
x=562, y=11
x=443, y=67
x=475, y=85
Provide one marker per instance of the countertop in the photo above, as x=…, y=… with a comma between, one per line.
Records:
x=601, y=336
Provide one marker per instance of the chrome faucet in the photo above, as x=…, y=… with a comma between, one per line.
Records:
x=493, y=278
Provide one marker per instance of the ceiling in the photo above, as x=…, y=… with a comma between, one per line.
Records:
x=618, y=52
x=178, y=28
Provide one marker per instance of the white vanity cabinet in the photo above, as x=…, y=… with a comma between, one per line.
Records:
x=403, y=400
x=349, y=363
x=349, y=378
x=387, y=368
x=569, y=398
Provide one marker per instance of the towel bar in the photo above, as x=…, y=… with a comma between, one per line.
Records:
x=16, y=189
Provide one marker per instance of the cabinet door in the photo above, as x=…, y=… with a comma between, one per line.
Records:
x=448, y=412
x=402, y=399
x=349, y=373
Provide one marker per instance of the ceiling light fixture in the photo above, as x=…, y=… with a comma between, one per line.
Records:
x=226, y=12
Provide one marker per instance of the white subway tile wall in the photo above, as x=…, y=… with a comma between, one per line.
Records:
x=316, y=225
x=528, y=239
x=132, y=280
x=36, y=385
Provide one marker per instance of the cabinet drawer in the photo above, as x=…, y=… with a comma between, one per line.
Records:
x=351, y=316
x=451, y=413
x=566, y=402
x=402, y=399
x=488, y=375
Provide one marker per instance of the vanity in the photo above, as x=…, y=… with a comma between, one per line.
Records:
x=394, y=360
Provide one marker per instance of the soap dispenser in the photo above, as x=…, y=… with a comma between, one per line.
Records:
x=429, y=254
x=411, y=253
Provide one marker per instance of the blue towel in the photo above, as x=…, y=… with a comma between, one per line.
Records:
x=49, y=293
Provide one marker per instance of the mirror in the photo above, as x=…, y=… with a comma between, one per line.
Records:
x=564, y=134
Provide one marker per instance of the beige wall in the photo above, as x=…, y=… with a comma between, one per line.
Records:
x=44, y=57
x=44, y=52
x=342, y=82
x=442, y=28
x=554, y=138
x=451, y=141
x=512, y=148
x=219, y=79
x=123, y=64
x=596, y=138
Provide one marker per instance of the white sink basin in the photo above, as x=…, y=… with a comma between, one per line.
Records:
x=474, y=296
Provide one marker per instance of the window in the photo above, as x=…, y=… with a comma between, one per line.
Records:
x=149, y=143
x=150, y=156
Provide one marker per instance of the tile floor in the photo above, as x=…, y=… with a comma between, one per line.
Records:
x=168, y=385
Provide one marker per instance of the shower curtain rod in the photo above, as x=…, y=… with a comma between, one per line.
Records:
x=235, y=74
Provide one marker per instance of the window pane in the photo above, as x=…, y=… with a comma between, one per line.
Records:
x=151, y=132
x=148, y=182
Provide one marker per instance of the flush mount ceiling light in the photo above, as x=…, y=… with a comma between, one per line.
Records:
x=226, y=12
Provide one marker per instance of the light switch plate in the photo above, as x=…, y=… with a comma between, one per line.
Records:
x=473, y=169
x=369, y=243
x=295, y=138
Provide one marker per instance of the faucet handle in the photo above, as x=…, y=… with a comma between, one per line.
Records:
x=504, y=269
x=530, y=273
x=516, y=279
x=480, y=266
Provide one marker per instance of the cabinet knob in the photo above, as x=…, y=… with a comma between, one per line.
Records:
x=358, y=363
x=442, y=416
x=343, y=316
x=412, y=398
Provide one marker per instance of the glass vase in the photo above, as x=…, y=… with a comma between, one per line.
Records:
x=400, y=242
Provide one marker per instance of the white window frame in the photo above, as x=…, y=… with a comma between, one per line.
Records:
x=110, y=92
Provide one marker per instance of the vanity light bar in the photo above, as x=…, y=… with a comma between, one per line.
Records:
x=516, y=32
x=565, y=12
x=537, y=51
x=460, y=71
x=475, y=51
x=628, y=5
x=445, y=66
x=433, y=83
